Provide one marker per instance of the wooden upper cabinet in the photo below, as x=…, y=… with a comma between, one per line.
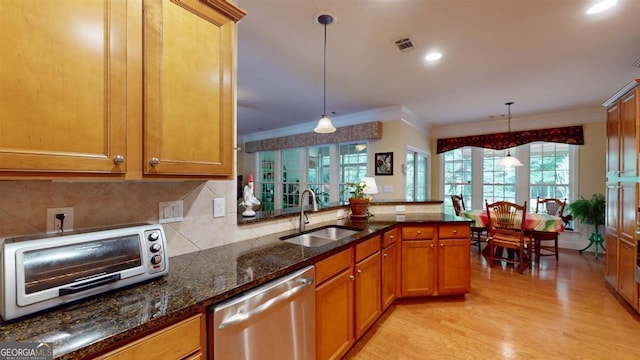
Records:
x=188, y=88
x=117, y=89
x=63, y=87
x=623, y=121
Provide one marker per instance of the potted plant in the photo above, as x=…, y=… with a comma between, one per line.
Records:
x=358, y=202
x=590, y=212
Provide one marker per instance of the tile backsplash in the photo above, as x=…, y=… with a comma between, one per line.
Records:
x=23, y=208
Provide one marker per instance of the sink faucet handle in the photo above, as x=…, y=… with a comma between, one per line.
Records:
x=306, y=218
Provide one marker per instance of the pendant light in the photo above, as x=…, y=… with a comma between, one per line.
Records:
x=509, y=160
x=325, y=125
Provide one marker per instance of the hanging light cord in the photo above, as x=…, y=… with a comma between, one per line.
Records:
x=324, y=87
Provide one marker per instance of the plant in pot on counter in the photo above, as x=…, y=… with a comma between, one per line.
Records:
x=359, y=201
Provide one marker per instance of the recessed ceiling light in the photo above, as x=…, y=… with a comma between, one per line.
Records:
x=601, y=6
x=433, y=56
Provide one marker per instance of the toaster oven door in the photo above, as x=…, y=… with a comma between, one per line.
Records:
x=51, y=272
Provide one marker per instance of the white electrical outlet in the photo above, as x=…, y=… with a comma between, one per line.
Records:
x=170, y=211
x=218, y=207
x=400, y=208
x=55, y=225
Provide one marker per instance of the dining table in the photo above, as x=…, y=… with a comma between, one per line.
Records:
x=532, y=222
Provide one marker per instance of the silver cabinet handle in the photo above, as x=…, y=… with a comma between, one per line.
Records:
x=359, y=271
x=154, y=161
x=244, y=316
x=352, y=277
x=118, y=160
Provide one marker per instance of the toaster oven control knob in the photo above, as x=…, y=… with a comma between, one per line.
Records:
x=156, y=259
x=155, y=247
x=153, y=236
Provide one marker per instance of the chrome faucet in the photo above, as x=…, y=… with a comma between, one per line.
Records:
x=303, y=218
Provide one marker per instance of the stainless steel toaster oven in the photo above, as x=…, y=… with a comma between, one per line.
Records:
x=45, y=271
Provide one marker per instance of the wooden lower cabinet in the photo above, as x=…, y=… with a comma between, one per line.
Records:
x=418, y=259
x=356, y=285
x=183, y=340
x=368, y=302
x=435, y=260
x=627, y=285
x=390, y=273
x=334, y=316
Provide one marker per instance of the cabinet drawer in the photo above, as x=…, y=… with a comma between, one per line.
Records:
x=332, y=265
x=367, y=248
x=174, y=342
x=454, y=231
x=418, y=232
x=389, y=237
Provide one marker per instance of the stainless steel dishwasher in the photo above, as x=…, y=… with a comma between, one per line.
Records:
x=274, y=321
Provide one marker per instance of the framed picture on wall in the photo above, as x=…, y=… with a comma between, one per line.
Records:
x=384, y=163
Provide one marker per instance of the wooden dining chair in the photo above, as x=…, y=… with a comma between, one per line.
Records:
x=507, y=230
x=541, y=239
x=476, y=231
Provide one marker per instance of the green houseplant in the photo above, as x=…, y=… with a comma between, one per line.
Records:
x=358, y=202
x=591, y=212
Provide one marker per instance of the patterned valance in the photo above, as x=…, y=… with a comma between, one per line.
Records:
x=500, y=141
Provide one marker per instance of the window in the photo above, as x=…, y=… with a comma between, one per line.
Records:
x=353, y=166
x=325, y=169
x=498, y=182
x=416, y=175
x=473, y=172
x=318, y=163
x=457, y=176
x=266, y=180
x=549, y=174
x=291, y=171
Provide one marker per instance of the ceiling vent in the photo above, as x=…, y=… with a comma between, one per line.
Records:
x=404, y=43
x=637, y=63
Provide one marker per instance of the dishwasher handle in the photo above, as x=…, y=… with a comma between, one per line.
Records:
x=244, y=316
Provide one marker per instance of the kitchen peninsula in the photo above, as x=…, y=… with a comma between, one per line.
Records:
x=201, y=279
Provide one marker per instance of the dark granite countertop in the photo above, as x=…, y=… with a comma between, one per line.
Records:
x=195, y=281
x=262, y=216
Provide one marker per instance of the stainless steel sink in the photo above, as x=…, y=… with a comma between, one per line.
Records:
x=321, y=236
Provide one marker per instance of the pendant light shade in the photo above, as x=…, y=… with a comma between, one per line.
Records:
x=509, y=161
x=325, y=125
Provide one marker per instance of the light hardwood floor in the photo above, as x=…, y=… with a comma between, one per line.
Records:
x=561, y=311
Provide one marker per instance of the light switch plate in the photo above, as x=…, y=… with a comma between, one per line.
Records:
x=388, y=188
x=218, y=207
x=170, y=211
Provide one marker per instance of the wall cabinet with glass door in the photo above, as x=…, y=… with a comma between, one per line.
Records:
x=72, y=98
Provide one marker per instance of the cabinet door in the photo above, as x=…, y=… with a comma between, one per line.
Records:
x=613, y=144
x=628, y=210
x=454, y=266
x=334, y=316
x=368, y=305
x=389, y=274
x=611, y=258
x=189, y=85
x=63, y=86
x=627, y=273
x=418, y=271
x=628, y=135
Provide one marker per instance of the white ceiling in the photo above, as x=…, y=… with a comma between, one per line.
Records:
x=545, y=55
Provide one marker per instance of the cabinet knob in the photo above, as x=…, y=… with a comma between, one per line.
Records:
x=385, y=254
x=455, y=231
x=418, y=232
x=391, y=237
x=352, y=277
x=118, y=160
x=359, y=271
x=431, y=246
x=154, y=161
x=441, y=245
